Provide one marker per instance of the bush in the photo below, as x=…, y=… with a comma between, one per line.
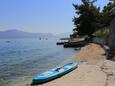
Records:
x=103, y=33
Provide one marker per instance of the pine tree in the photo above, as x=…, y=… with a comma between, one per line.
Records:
x=86, y=22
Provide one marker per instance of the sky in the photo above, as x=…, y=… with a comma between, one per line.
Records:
x=47, y=16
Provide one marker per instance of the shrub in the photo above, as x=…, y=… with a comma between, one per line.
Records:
x=103, y=33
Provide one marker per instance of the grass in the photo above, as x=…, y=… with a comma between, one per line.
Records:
x=103, y=33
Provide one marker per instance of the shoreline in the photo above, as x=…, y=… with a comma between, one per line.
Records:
x=26, y=80
x=94, y=70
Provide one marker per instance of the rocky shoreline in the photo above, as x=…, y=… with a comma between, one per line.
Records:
x=94, y=69
x=96, y=55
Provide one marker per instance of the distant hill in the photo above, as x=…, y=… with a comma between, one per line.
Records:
x=22, y=34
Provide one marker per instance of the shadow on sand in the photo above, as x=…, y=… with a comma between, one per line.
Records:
x=110, y=54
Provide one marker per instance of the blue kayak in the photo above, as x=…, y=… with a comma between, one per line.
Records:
x=54, y=73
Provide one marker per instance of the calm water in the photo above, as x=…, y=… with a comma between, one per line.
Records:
x=28, y=57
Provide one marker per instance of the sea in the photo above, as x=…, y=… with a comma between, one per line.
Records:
x=21, y=59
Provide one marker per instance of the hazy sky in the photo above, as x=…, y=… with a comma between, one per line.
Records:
x=54, y=16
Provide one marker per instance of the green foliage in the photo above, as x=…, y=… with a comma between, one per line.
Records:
x=106, y=16
x=87, y=21
x=103, y=33
x=90, y=18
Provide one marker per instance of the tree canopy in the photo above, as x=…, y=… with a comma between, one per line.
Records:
x=86, y=22
x=106, y=16
x=89, y=17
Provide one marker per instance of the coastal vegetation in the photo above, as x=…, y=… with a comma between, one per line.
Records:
x=86, y=22
x=102, y=33
x=90, y=19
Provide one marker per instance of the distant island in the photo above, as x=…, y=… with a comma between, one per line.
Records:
x=22, y=34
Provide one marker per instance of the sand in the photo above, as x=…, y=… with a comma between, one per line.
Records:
x=91, y=53
x=94, y=70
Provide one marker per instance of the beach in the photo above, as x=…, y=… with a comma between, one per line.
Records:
x=94, y=70
x=31, y=30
